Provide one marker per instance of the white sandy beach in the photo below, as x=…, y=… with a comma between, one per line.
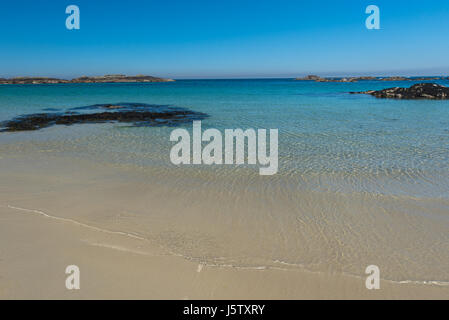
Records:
x=49, y=221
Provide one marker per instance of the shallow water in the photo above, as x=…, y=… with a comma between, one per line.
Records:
x=361, y=180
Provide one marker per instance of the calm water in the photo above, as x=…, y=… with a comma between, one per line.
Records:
x=323, y=129
x=338, y=154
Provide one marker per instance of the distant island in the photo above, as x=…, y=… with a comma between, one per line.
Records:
x=115, y=78
x=368, y=78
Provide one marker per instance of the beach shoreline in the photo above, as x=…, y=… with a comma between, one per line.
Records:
x=45, y=226
x=361, y=181
x=113, y=266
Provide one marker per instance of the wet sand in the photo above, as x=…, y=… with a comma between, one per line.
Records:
x=56, y=212
x=112, y=266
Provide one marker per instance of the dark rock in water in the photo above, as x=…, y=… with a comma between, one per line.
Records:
x=418, y=91
x=138, y=114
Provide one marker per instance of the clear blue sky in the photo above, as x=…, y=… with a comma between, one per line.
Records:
x=226, y=38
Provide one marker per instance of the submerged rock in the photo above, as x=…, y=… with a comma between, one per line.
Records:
x=137, y=114
x=431, y=91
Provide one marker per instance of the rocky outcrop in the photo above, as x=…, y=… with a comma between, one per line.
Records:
x=348, y=79
x=430, y=91
x=366, y=78
x=320, y=79
x=118, y=78
x=101, y=79
x=309, y=78
x=394, y=79
x=32, y=80
x=411, y=78
x=428, y=78
x=337, y=80
x=137, y=114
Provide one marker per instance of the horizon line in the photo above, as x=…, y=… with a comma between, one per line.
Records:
x=239, y=77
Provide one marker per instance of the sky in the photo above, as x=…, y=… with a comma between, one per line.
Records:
x=224, y=39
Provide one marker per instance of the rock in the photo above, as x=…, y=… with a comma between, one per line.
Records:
x=111, y=106
x=100, y=79
x=309, y=78
x=369, y=78
x=338, y=80
x=31, y=80
x=412, y=78
x=395, y=79
x=138, y=114
x=418, y=91
x=427, y=78
x=118, y=78
x=320, y=79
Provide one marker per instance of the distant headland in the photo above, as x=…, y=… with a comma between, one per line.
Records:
x=356, y=79
x=115, y=78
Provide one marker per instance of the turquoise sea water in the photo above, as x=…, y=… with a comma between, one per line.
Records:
x=359, y=178
x=322, y=128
